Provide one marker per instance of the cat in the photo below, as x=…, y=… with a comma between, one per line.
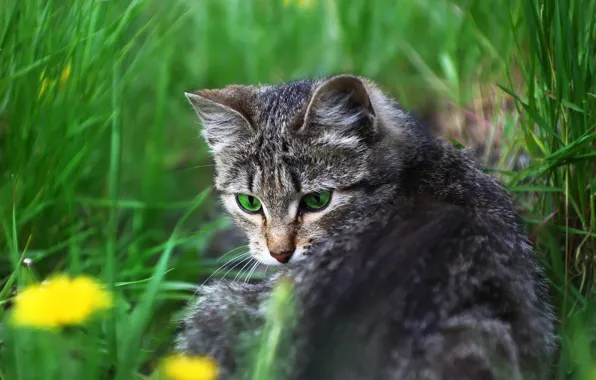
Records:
x=407, y=260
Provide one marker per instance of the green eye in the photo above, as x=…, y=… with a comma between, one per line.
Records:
x=316, y=201
x=248, y=203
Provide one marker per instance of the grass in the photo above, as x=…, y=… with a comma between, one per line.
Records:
x=102, y=171
x=558, y=125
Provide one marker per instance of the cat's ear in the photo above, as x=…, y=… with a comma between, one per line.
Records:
x=225, y=115
x=341, y=101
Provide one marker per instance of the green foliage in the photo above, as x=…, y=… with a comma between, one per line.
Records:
x=101, y=164
x=558, y=129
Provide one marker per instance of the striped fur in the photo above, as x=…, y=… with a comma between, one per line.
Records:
x=418, y=245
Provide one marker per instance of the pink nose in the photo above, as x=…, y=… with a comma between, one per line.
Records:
x=282, y=257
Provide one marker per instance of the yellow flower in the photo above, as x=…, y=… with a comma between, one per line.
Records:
x=59, y=301
x=300, y=3
x=181, y=367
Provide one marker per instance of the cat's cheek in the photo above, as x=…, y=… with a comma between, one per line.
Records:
x=299, y=255
x=260, y=253
x=229, y=204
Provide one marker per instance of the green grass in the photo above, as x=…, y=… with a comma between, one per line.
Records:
x=104, y=172
x=558, y=127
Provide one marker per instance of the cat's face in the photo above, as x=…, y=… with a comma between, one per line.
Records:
x=293, y=162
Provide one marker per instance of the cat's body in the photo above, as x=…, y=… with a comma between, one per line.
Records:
x=408, y=263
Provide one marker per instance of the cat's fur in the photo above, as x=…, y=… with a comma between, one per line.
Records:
x=417, y=269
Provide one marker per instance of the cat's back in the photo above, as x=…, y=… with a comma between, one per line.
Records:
x=404, y=290
x=421, y=241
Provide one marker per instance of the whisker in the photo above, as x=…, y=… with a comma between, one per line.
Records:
x=232, y=260
x=235, y=249
x=242, y=269
x=258, y=266
x=252, y=270
x=248, y=272
x=248, y=265
x=245, y=256
x=194, y=167
x=244, y=260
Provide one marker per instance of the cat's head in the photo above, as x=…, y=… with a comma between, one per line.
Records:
x=300, y=163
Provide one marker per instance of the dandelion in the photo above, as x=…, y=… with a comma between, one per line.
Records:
x=59, y=301
x=181, y=367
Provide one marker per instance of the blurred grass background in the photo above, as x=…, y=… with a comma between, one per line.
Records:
x=100, y=155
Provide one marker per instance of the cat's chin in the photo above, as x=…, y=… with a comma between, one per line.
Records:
x=265, y=258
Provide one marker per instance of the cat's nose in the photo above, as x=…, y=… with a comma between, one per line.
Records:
x=282, y=256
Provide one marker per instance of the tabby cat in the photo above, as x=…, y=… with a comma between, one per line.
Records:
x=407, y=260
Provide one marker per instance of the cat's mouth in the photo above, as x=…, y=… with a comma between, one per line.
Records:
x=266, y=258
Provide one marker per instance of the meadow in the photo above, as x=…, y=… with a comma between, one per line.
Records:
x=103, y=172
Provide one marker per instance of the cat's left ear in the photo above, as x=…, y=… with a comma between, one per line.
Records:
x=341, y=101
x=226, y=115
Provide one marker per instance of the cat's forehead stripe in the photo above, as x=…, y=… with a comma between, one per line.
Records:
x=295, y=180
x=277, y=183
x=281, y=103
x=250, y=180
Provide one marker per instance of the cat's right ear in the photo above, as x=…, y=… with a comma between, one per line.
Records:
x=224, y=114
